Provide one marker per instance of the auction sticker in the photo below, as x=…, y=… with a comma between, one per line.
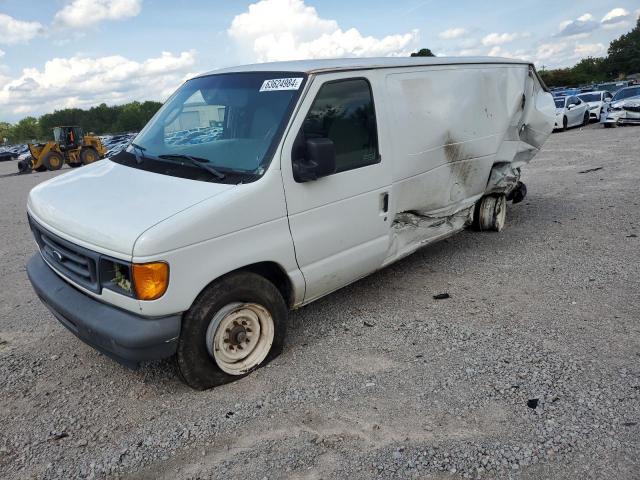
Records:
x=281, y=84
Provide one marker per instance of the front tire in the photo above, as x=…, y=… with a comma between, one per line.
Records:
x=585, y=120
x=565, y=123
x=53, y=161
x=236, y=325
x=89, y=155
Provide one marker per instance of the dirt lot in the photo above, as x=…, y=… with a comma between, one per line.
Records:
x=378, y=379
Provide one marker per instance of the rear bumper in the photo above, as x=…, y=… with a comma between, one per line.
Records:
x=124, y=336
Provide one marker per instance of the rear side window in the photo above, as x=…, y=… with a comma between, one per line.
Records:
x=343, y=111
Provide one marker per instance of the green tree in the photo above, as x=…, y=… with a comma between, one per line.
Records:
x=624, y=54
x=25, y=130
x=423, y=52
x=6, y=129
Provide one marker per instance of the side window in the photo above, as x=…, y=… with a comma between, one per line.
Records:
x=343, y=111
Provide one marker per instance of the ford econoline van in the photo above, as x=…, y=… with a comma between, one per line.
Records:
x=257, y=189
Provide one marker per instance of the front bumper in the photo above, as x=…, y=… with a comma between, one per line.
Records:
x=124, y=336
x=623, y=117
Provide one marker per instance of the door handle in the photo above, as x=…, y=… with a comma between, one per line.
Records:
x=384, y=202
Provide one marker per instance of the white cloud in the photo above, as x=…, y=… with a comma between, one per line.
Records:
x=84, y=81
x=562, y=54
x=615, y=18
x=589, y=50
x=84, y=13
x=1, y=53
x=615, y=15
x=274, y=30
x=580, y=27
x=16, y=31
x=452, y=33
x=499, y=39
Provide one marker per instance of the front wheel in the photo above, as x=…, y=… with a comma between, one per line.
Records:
x=89, y=155
x=565, y=124
x=53, y=161
x=236, y=325
x=585, y=120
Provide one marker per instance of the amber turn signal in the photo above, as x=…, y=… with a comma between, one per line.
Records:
x=150, y=280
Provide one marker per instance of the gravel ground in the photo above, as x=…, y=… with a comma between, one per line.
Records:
x=529, y=370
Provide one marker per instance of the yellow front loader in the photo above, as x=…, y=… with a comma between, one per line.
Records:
x=70, y=146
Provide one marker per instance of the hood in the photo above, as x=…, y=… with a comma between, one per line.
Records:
x=625, y=101
x=108, y=205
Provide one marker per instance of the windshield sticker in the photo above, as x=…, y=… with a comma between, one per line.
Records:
x=281, y=84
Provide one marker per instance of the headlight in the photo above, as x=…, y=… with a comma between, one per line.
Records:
x=116, y=276
x=144, y=281
x=150, y=280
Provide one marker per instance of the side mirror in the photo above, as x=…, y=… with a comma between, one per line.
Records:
x=570, y=106
x=319, y=160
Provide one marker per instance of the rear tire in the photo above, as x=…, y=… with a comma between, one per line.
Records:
x=216, y=328
x=89, y=155
x=490, y=213
x=53, y=161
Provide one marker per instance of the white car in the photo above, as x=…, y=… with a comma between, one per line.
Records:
x=596, y=102
x=570, y=112
x=624, y=108
x=324, y=171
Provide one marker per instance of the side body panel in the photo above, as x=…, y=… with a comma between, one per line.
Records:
x=246, y=225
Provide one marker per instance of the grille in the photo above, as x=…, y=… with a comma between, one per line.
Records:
x=74, y=262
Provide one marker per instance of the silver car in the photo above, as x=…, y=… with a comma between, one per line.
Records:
x=624, y=108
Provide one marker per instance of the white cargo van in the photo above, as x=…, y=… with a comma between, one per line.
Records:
x=258, y=189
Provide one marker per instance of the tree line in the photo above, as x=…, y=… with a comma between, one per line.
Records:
x=622, y=59
x=101, y=119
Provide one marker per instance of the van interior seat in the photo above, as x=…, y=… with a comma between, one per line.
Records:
x=351, y=141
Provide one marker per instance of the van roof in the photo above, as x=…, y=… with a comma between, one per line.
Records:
x=345, y=64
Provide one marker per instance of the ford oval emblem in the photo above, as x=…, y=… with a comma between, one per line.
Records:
x=58, y=255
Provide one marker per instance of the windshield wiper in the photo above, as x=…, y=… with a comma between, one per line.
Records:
x=203, y=164
x=142, y=150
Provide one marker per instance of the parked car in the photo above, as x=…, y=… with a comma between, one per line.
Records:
x=613, y=87
x=570, y=112
x=325, y=172
x=596, y=102
x=624, y=108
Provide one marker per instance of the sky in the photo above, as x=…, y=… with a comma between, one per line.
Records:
x=78, y=53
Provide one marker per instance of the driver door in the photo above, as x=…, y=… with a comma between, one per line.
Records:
x=339, y=223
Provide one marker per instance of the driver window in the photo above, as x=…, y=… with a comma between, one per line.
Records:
x=343, y=112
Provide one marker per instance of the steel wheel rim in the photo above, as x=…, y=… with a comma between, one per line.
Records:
x=239, y=337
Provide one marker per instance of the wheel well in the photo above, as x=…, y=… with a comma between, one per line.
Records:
x=276, y=275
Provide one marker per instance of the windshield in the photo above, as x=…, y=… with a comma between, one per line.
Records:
x=559, y=102
x=590, y=97
x=231, y=122
x=626, y=93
